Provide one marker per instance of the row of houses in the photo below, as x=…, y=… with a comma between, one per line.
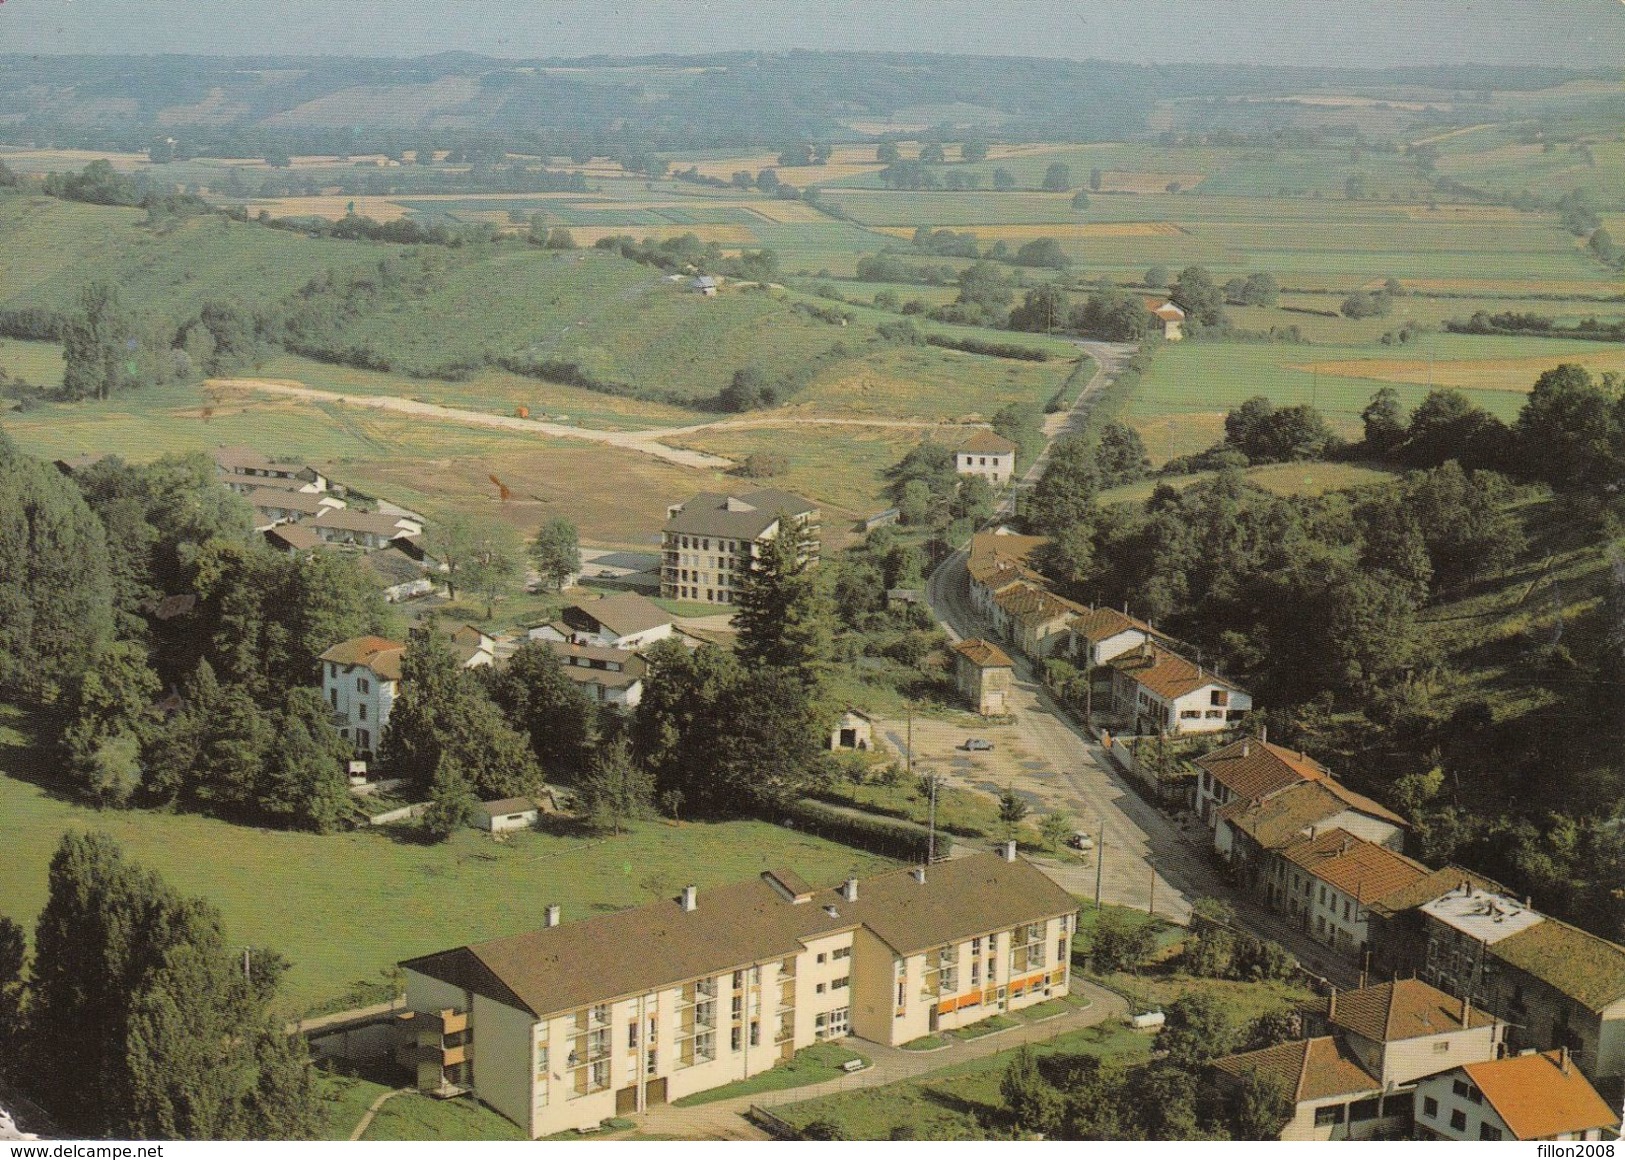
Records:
x=1406, y=1060
x=572, y=1023
x=1152, y=690
x=1332, y=861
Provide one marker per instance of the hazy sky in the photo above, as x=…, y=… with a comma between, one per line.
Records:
x=1354, y=32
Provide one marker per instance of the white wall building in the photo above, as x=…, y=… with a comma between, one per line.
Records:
x=360, y=679
x=993, y=457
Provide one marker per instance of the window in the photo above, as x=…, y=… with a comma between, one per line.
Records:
x=975, y=946
x=632, y=1036
x=541, y=1063
x=333, y=671
x=362, y=711
x=755, y=1033
x=739, y=1007
x=600, y=1076
x=1326, y=1117
x=1459, y=1087
x=1345, y=910
x=1363, y=1109
x=822, y=987
x=1458, y=1120
x=1323, y=894
x=362, y=685
x=841, y=953
x=333, y=696
x=841, y=984
x=1187, y=714
x=653, y=1064
x=822, y=957
x=1219, y=697
x=734, y=1039
x=739, y=980
x=1486, y=1132
x=1441, y=1047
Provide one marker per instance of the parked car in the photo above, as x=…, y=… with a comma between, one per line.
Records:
x=977, y=745
x=1081, y=841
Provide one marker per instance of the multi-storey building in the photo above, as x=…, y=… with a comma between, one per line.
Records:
x=1155, y=690
x=1529, y=1096
x=568, y=1025
x=710, y=542
x=991, y=456
x=359, y=680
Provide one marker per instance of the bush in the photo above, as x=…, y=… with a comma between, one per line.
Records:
x=903, y=841
x=995, y=349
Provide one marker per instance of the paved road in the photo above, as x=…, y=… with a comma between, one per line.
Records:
x=724, y=1119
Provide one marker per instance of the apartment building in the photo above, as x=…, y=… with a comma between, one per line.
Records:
x=360, y=678
x=565, y=1026
x=709, y=542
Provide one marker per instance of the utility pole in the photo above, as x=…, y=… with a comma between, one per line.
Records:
x=910, y=752
x=1100, y=861
x=1151, y=908
x=931, y=832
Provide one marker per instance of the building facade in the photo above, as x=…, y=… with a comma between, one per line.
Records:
x=575, y=1023
x=1530, y=1096
x=360, y=679
x=990, y=456
x=710, y=542
x=985, y=675
x=1155, y=690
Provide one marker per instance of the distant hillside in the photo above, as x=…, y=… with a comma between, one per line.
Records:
x=250, y=106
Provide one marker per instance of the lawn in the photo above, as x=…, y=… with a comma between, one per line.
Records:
x=811, y=1065
x=344, y=908
x=40, y=363
x=409, y=1116
x=961, y=812
x=1281, y=478
x=943, y=1105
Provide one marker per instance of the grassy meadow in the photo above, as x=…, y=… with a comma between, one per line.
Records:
x=346, y=907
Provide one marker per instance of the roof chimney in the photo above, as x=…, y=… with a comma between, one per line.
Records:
x=551, y=915
x=1264, y=734
x=1466, y=1012
x=1563, y=1059
x=1246, y=748
x=1331, y=1005
x=849, y=891
x=691, y=897
x=919, y=875
x=1009, y=851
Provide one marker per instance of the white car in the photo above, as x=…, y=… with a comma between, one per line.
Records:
x=977, y=745
x=1081, y=841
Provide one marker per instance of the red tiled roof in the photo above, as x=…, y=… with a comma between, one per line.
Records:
x=1541, y=1095
x=1305, y=1069
x=1404, y=1009
x=1167, y=674
x=1251, y=768
x=1098, y=624
x=1353, y=865
x=374, y=652
x=984, y=654
x=987, y=443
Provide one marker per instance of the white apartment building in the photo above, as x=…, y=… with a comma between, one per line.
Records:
x=568, y=1025
x=709, y=542
x=360, y=679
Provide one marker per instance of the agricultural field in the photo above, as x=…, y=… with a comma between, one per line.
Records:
x=397, y=898
x=932, y=384
x=1179, y=406
x=39, y=363
x=1281, y=478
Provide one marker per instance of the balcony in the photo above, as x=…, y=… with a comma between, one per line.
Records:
x=410, y=1055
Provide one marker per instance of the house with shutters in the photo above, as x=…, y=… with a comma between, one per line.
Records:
x=984, y=674
x=1526, y=1097
x=986, y=454
x=1250, y=770
x=1155, y=690
x=360, y=680
x=570, y=1024
x=1357, y=1074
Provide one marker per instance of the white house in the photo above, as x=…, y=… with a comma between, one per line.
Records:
x=508, y=814
x=1172, y=319
x=1533, y=1096
x=1251, y=769
x=1327, y=881
x=991, y=456
x=610, y=676
x=1158, y=691
x=360, y=679
x=623, y=621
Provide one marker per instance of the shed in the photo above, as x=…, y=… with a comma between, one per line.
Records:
x=507, y=814
x=855, y=730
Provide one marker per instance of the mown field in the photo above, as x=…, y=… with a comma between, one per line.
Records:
x=1179, y=407
x=346, y=907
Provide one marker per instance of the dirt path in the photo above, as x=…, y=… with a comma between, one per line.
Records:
x=650, y=442
x=366, y=1120
x=629, y=440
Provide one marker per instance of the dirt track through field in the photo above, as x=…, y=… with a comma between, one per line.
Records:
x=647, y=442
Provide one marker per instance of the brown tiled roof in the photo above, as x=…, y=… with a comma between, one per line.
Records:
x=372, y=523
x=661, y=945
x=1435, y=884
x=1167, y=310
x=1353, y=865
x=1280, y=820
x=987, y=443
x=592, y=652
x=736, y=516
x=984, y=654
x=1586, y=968
x=246, y=459
x=1405, y=1009
x=1305, y=1069
x=295, y=536
x=1251, y=768
x=518, y=805
x=624, y=613
x=992, y=556
x=374, y=652
x=308, y=503
x=1029, y=601
x=1167, y=674
x=1541, y=1095
x=1098, y=624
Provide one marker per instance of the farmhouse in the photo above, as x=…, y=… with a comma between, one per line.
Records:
x=1155, y=691
x=1530, y=1096
x=360, y=678
x=984, y=674
x=1103, y=634
x=709, y=542
x=1326, y=880
x=1170, y=316
x=991, y=456
x=580, y=1021
x=1251, y=832
x=1035, y=620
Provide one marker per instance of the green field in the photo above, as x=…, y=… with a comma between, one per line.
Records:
x=40, y=363
x=1179, y=406
x=346, y=907
x=1281, y=478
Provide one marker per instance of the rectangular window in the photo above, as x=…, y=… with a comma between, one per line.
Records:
x=1459, y=1088
x=1363, y=1109
x=739, y=1006
x=653, y=1064
x=1458, y=1120
x=822, y=957
x=739, y=980
x=361, y=710
x=841, y=984
x=1326, y=1117
x=1430, y=1107
x=1486, y=1132
x=734, y=1039
x=363, y=685
x=841, y=953
x=333, y=695
x=820, y=988
x=632, y=1036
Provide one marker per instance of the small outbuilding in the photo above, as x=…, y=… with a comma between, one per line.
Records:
x=855, y=730
x=507, y=814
